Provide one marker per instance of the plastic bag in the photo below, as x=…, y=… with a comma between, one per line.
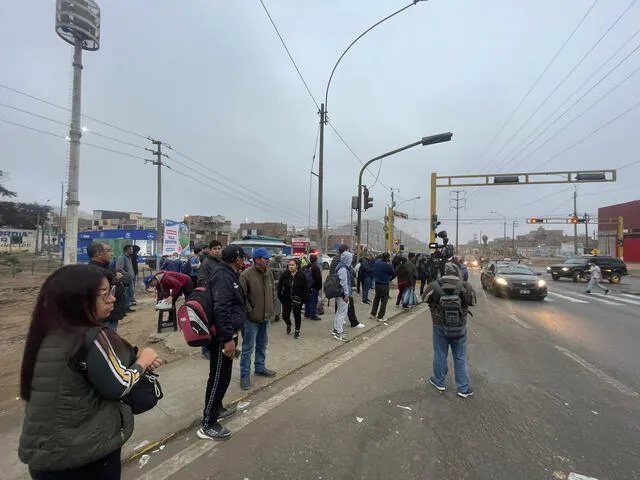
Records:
x=165, y=304
x=409, y=297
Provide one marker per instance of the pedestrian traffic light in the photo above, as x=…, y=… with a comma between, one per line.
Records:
x=434, y=222
x=368, y=201
x=535, y=220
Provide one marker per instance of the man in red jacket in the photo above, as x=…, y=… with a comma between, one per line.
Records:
x=170, y=284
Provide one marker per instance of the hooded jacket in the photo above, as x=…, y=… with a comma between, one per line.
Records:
x=208, y=263
x=290, y=286
x=229, y=302
x=260, y=293
x=345, y=273
x=431, y=294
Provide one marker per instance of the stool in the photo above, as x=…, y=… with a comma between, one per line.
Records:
x=171, y=321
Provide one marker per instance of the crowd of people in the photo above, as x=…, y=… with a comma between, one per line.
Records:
x=82, y=382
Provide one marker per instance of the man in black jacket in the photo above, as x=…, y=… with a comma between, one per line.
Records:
x=314, y=279
x=100, y=255
x=229, y=315
x=208, y=262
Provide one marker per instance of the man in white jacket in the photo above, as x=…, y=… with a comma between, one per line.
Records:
x=596, y=276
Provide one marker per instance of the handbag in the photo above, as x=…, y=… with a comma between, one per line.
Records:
x=145, y=393
x=296, y=300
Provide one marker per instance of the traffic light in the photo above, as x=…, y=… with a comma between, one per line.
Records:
x=397, y=241
x=575, y=220
x=535, y=220
x=620, y=242
x=434, y=222
x=355, y=230
x=368, y=201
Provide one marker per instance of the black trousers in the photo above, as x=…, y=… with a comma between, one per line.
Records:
x=107, y=468
x=287, y=310
x=351, y=313
x=381, y=298
x=220, y=367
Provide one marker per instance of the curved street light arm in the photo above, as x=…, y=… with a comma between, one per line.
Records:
x=326, y=94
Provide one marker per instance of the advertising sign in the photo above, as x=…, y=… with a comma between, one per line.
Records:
x=16, y=240
x=176, y=238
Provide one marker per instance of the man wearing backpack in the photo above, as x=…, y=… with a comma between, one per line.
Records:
x=259, y=289
x=449, y=299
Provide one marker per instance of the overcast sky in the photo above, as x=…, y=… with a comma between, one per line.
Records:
x=213, y=80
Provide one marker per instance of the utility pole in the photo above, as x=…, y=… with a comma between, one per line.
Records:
x=159, y=164
x=367, y=233
x=575, y=225
x=323, y=121
x=586, y=231
x=326, y=236
x=455, y=197
x=513, y=236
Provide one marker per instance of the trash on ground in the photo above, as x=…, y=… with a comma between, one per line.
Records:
x=359, y=419
x=404, y=407
x=594, y=412
x=141, y=445
x=243, y=405
x=577, y=476
x=143, y=460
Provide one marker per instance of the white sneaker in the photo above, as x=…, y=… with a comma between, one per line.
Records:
x=385, y=319
x=360, y=325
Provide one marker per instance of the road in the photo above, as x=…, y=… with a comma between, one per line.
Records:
x=556, y=386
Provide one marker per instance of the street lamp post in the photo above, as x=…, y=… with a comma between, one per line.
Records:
x=393, y=206
x=323, y=115
x=430, y=140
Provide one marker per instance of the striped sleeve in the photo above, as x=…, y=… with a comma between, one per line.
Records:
x=108, y=373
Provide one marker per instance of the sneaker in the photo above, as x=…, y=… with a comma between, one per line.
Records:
x=296, y=334
x=340, y=337
x=606, y=292
x=245, y=383
x=133, y=304
x=227, y=412
x=384, y=319
x=466, y=394
x=372, y=317
x=440, y=388
x=315, y=318
x=276, y=318
x=215, y=432
x=366, y=302
x=265, y=373
x=587, y=291
x=288, y=329
x=360, y=325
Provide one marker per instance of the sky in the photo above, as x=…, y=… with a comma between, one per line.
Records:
x=213, y=81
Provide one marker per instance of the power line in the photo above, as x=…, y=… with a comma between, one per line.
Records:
x=566, y=77
x=535, y=84
x=593, y=132
x=576, y=118
x=289, y=54
x=628, y=165
x=124, y=130
x=587, y=80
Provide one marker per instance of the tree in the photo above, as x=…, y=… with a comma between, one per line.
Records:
x=23, y=215
x=5, y=192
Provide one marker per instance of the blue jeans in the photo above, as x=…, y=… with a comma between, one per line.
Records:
x=255, y=336
x=459, y=353
x=311, y=308
x=366, y=286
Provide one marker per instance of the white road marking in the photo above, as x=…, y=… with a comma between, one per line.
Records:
x=197, y=449
x=522, y=323
x=571, y=299
x=618, y=298
x=600, y=299
x=577, y=476
x=637, y=297
x=621, y=387
x=549, y=300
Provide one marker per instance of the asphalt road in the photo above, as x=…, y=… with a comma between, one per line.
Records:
x=556, y=396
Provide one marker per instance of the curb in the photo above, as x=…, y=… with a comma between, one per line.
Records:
x=253, y=391
x=630, y=292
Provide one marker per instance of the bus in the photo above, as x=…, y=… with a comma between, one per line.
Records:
x=275, y=245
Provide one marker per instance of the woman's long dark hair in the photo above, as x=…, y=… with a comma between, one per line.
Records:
x=66, y=302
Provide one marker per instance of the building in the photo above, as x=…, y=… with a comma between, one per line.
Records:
x=608, y=230
x=114, y=220
x=268, y=229
x=205, y=228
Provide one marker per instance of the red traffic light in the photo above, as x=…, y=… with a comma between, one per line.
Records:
x=575, y=220
x=535, y=220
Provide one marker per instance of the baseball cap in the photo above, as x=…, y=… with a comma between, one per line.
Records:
x=231, y=253
x=147, y=280
x=261, y=253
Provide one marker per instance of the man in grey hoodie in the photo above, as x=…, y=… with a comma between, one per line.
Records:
x=343, y=269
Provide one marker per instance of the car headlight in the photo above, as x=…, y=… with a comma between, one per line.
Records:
x=541, y=283
x=501, y=281
x=474, y=263
x=565, y=269
x=548, y=269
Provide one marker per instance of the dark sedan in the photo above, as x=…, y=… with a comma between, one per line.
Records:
x=513, y=280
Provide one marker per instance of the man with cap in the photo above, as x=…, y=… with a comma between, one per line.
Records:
x=229, y=314
x=457, y=296
x=259, y=289
x=169, y=284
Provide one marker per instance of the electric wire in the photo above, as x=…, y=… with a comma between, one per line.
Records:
x=566, y=77
x=535, y=84
x=585, y=82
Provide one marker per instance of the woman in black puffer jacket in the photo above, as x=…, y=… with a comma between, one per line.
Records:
x=293, y=292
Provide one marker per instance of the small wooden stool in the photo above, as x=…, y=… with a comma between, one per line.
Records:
x=171, y=321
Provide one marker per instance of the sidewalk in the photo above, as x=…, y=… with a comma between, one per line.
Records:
x=184, y=382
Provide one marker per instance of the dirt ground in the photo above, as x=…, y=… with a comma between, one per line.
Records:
x=16, y=304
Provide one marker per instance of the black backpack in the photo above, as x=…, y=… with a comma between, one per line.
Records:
x=453, y=306
x=332, y=287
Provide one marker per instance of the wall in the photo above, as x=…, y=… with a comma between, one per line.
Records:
x=27, y=243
